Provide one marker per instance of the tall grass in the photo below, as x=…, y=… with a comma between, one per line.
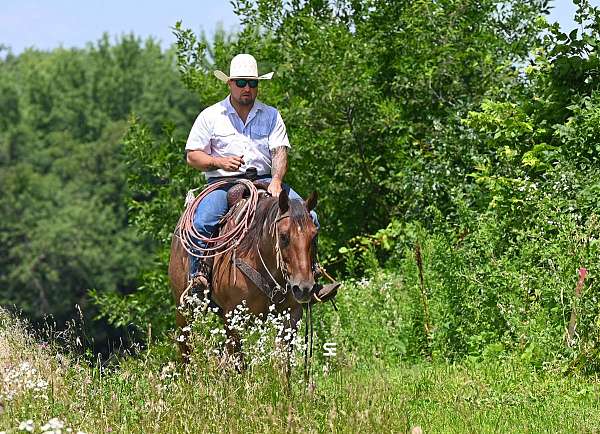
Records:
x=365, y=388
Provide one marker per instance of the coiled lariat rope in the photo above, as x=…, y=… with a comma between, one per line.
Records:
x=205, y=247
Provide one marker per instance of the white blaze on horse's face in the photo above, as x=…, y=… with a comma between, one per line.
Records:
x=296, y=239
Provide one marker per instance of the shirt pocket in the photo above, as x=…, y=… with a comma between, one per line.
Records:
x=224, y=138
x=260, y=135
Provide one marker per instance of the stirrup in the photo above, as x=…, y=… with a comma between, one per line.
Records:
x=198, y=283
x=325, y=292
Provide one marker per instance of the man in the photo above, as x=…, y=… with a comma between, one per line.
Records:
x=231, y=137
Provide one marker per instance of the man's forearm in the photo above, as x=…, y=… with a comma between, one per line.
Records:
x=201, y=160
x=279, y=162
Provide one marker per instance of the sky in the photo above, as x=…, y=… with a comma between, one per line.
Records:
x=47, y=24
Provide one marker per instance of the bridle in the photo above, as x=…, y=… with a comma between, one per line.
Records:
x=280, y=263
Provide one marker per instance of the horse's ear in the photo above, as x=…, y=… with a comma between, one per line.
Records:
x=284, y=202
x=311, y=202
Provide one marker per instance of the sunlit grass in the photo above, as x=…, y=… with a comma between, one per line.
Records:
x=149, y=392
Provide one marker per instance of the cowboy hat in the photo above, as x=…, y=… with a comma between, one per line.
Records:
x=242, y=66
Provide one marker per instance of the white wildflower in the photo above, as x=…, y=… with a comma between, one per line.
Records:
x=54, y=425
x=27, y=425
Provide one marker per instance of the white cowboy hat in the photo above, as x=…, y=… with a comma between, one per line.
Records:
x=242, y=66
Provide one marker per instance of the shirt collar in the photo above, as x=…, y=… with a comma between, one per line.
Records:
x=227, y=107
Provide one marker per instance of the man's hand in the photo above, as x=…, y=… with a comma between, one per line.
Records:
x=274, y=187
x=229, y=164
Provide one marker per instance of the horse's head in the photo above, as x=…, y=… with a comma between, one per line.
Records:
x=296, y=234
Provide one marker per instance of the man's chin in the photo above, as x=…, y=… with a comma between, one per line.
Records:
x=246, y=101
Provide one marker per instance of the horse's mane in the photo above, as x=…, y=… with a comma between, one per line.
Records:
x=266, y=213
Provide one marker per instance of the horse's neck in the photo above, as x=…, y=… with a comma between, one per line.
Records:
x=267, y=248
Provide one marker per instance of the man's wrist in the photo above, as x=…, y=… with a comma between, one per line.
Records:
x=215, y=163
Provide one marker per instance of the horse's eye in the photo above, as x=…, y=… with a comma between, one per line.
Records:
x=284, y=240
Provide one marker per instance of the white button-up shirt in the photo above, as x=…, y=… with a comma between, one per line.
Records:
x=219, y=131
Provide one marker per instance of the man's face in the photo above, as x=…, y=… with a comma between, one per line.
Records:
x=245, y=95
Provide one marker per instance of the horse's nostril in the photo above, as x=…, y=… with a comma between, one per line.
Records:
x=301, y=293
x=302, y=289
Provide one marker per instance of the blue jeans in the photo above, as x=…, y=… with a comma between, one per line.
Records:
x=214, y=206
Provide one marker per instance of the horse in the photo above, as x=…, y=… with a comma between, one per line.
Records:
x=278, y=247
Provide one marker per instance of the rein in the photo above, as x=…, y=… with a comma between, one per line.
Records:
x=280, y=263
x=308, y=344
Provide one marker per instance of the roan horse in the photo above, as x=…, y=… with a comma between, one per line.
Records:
x=279, y=245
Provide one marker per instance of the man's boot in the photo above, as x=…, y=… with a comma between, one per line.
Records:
x=199, y=276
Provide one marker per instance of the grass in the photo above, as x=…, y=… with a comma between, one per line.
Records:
x=149, y=393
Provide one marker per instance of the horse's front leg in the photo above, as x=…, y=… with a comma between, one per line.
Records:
x=182, y=339
x=233, y=347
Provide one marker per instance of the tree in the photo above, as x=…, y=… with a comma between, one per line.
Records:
x=65, y=218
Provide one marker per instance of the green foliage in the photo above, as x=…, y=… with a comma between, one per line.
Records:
x=440, y=140
x=64, y=227
x=150, y=393
x=158, y=182
x=370, y=91
x=501, y=269
x=468, y=128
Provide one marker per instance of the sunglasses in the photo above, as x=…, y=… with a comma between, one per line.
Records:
x=241, y=83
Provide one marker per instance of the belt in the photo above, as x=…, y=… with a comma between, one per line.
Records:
x=250, y=177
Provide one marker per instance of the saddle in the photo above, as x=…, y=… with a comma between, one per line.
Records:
x=239, y=192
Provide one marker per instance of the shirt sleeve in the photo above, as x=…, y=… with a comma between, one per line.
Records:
x=278, y=136
x=200, y=135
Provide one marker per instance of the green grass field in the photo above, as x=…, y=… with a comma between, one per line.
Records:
x=150, y=393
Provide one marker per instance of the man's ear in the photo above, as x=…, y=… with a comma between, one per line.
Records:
x=311, y=201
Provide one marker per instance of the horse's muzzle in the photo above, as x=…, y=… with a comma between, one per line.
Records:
x=302, y=293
